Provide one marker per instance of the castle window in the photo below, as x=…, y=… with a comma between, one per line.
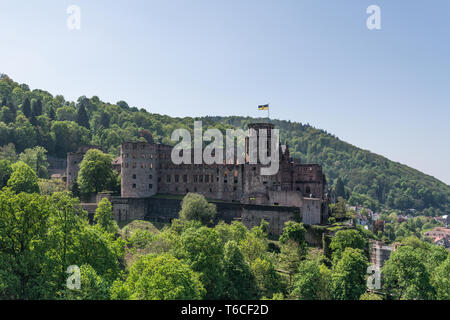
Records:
x=142, y=165
x=159, y=179
x=134, y=185
x=195, y=189
x=207, y=178
x=200, y=178
x=210, y=190
x=151, y=165
x=308, y=190
x=134, y=176
x=134, y=155
x=235, y=180
x=234, y=188
x=150, y=186
x=236, y=173
x=168, y=178
x=177, y=178
x=185, y=178
x=126, y=165
x=134, y=165
x=151, y=156
x=195, y=178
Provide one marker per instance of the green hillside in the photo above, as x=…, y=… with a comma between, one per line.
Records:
x=30, y=118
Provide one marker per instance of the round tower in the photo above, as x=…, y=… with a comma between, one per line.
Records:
x=254, y=135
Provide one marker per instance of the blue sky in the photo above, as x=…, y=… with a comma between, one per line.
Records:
x=387, y=91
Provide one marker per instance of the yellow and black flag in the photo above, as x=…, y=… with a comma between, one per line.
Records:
x=263, y=107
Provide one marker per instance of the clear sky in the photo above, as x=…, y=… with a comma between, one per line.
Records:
x=315, y=61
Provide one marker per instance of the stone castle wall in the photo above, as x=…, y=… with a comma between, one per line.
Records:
x=165, y=209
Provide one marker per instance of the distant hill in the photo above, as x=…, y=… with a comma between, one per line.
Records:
x=31, y=118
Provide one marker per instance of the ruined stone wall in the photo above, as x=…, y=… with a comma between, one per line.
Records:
x=138, y=174
x=73, y=162
x=129, y=208
x=311, y=210
x=164, y=210
x=308, y=179
x=379, y=253
x=275, y=216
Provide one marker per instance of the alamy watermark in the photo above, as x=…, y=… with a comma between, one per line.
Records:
x=374, y=279
x=74, y=280
x=73, y=21
x=263, y=147
x=374, y=20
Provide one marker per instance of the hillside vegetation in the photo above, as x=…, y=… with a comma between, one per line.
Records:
x=30, y=118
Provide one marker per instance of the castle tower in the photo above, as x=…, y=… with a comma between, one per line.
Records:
x=254, y=132
x=139, y=164
x=73, y=164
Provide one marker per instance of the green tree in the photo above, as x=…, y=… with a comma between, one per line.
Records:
x=93, y=286
x=66, y=221
x=348, y=239
x=36, y=109
x=339, y=188
x=8, y=152
x=348, y=275
x=66, y=113
x=68, y=137
x=23, y=229
x=24, y=133
x=23, y=179
x=309, y=283
x=162, y=277
x=267, y=278
x=204, y=251
x=195, y=207
x=339, y=209
x=26, y=108
x=294, y=231
x=95, y=171
x=82, y=117
x=5, y=172
x=36, y=158
x=104, y=217
x=240, y=283
x=440, y=280
x=405, y=276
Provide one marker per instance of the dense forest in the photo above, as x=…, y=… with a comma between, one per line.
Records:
x=30, y=118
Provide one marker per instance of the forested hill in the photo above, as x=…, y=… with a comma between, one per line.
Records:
x=30, y=118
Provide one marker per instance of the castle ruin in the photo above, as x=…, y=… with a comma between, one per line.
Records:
x=148, y=174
